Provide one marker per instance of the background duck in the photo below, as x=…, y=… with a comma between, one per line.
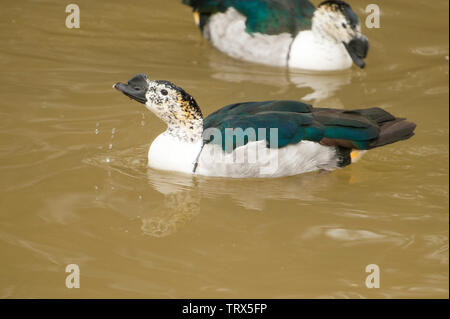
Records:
x=307, y=138
x=287, y=33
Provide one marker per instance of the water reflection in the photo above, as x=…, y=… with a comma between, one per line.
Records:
x=251, y=194
x=176, y=210
x=181, y=194
x=323, y=85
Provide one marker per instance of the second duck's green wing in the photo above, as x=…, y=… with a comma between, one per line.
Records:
x=263, y=16
x=296, y=121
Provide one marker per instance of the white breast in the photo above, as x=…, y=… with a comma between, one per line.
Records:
x=312, y=52
x=168, y=153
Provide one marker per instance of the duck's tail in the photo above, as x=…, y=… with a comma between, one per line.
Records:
x=392, y=129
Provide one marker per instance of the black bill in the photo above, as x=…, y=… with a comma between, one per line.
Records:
x=358, y=48
x=136, y=88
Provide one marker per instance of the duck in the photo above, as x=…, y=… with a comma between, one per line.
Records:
x=258, y=139
x=284, y=33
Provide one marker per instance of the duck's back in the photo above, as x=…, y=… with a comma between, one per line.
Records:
x=293, y=137
x=295, y=121
x=269, y=17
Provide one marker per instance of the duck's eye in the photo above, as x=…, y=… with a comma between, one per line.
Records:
x=137, y=88
x=344, y=25
x=164, y=92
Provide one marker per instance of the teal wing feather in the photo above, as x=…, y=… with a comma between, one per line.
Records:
x=296, y=121
x=263, y=16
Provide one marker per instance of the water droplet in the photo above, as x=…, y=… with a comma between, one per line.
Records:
x=96, y=187
x=113, y=131
x=110, y=146
x=108, y=160
x=142, y=123
x=140, y=197
x=97, y=131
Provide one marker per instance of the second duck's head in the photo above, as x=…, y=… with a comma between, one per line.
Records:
x=336, y=21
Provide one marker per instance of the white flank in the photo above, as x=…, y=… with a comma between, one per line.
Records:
x=226, y=31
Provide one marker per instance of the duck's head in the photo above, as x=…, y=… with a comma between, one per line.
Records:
x=335, y=20
x=169, y=102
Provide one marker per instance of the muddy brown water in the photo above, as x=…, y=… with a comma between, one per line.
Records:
x=75, y=189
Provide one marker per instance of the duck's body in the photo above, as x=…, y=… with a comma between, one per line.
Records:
x=284, y=33
x=258, y=139
x=170, y=154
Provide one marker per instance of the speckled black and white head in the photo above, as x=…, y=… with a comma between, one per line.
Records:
x=335, y=20
x=169, y=102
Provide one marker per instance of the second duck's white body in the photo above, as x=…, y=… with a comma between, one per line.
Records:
x=308, y=50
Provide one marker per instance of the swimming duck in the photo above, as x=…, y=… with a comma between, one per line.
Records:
x=287, y=33
x=258, y=139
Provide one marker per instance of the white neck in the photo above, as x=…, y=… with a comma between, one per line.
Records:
x=313, y=51
x=189, y=131
x=186, y=126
